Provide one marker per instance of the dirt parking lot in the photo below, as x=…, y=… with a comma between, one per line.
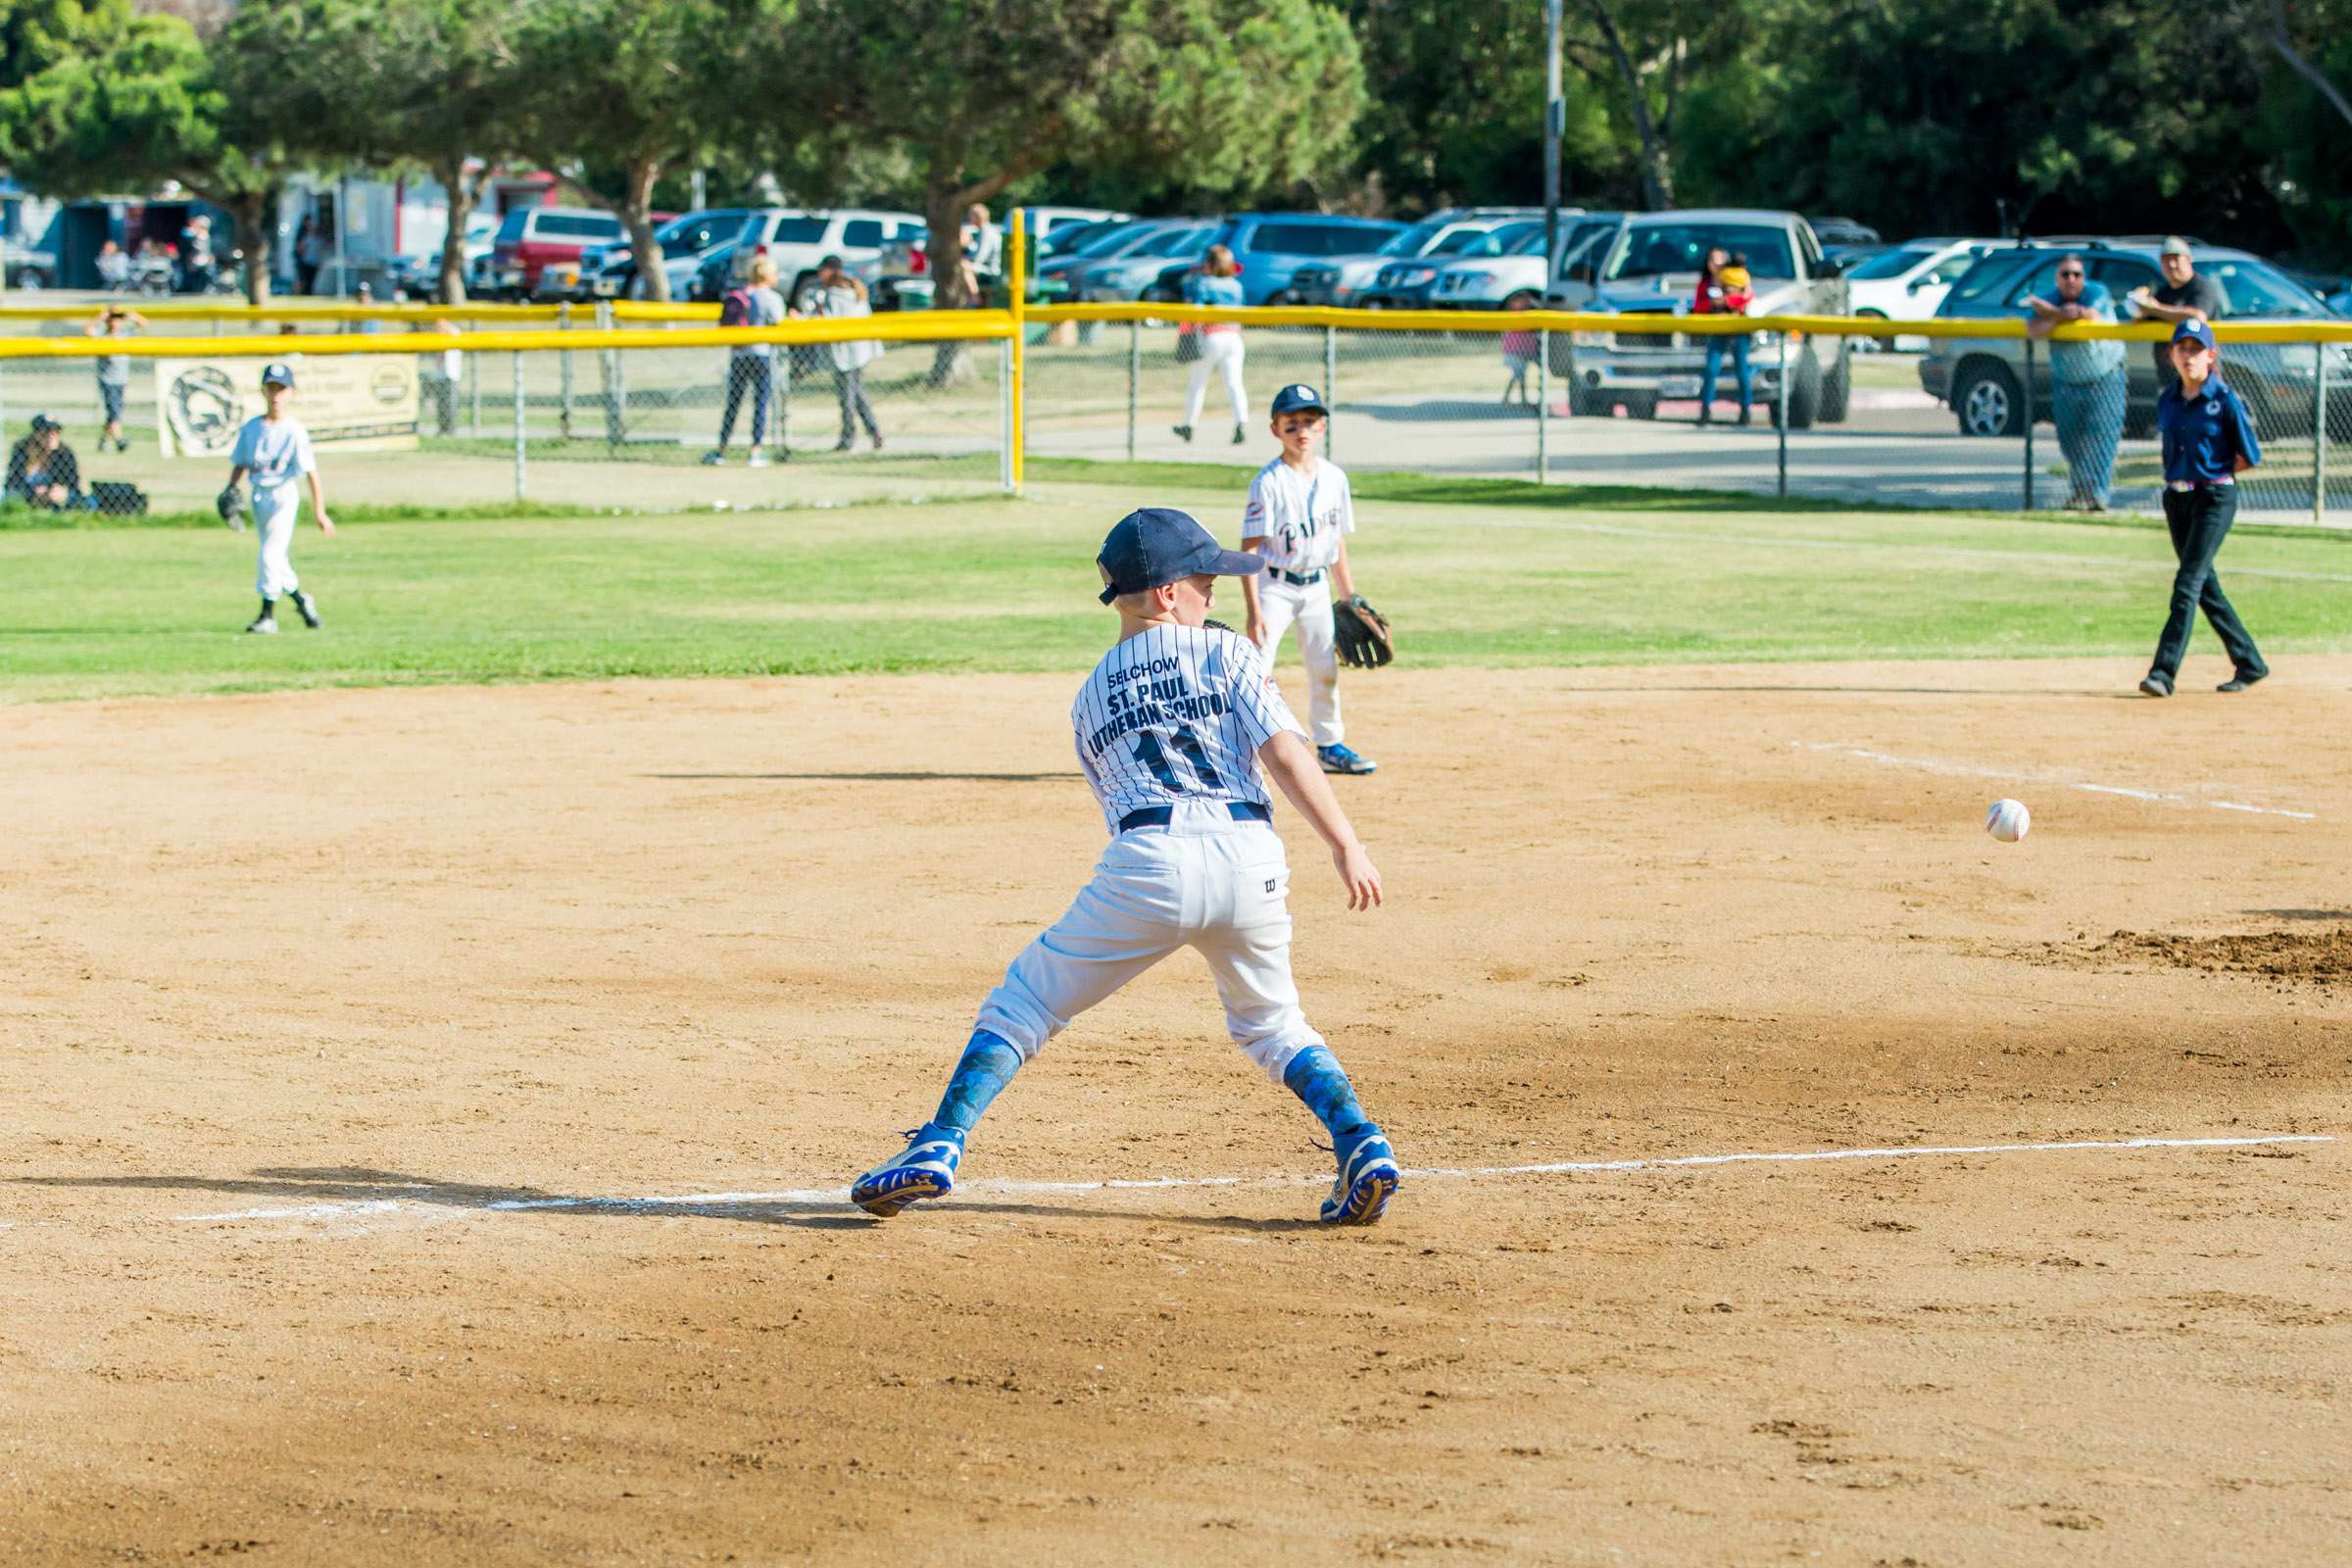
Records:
x=428, y=1110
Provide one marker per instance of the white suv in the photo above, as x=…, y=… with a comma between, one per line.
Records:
x=797, y=240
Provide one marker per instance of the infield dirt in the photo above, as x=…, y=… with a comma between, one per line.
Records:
x=337, y=973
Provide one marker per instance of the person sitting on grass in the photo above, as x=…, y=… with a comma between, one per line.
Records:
x=43, y=470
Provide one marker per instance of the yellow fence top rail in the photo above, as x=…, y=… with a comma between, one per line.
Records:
x=917, y=328
x=166, y=309
x=1662, y=322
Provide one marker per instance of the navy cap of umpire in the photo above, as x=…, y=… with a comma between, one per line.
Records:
x=1157, y=544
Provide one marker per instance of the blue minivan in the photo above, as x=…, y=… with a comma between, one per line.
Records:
x=1272, y=246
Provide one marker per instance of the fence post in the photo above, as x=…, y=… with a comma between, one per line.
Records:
x=2029, y=397
x=473, y=375
x=2319, y=435
x=1016, y=358
x=1780, y=417
x=1330, y=380
x=1135, y=376
x=518, y=485
x=1543, y=405
x=564, y=325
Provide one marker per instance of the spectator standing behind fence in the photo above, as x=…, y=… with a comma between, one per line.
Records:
x=750, y=366
x=1519, y=350
x=2188, y=295
x=196, y=254
x=113, y=369
x=309, y=253
x=2087, y=382
x=1220, y=342
x=114, y=265
x=43, y=470
x=983, y=254
x=2208, y=442
x=1722, y=295
x=840, y=295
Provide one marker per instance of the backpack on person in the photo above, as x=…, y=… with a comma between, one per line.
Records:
x=735, y=307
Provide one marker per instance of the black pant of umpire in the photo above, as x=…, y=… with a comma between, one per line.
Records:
x=2199, y=520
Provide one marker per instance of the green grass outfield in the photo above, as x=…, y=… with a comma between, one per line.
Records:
x=1473, y=572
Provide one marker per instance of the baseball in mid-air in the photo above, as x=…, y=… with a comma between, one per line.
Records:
x=2007, y=820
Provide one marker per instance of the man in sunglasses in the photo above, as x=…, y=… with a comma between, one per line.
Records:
x=2087, y=382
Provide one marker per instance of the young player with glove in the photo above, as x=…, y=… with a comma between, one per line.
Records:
x=277, y=450
x=1297, y=519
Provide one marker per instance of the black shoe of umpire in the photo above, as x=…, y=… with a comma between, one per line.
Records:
x=2153, y=684
x=1184, y=431
x=2241, y=680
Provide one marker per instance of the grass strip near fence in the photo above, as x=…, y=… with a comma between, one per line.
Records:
x=1003, y=584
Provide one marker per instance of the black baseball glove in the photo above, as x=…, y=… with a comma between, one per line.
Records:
x=231, y=503
x=1363, y=634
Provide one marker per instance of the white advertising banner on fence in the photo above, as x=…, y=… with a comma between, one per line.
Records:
x=355, y=401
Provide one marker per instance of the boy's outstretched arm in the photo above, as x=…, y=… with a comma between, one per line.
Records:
x=1295, y=772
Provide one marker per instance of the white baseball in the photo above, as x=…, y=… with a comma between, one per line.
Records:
x=2007, y=820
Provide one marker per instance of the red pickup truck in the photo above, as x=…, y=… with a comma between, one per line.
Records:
x=531, y=238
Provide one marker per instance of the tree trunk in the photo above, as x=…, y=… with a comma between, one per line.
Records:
x=2302, y=67
x=636, y=208
x=1657, y=157
x=249, y=210
x=462, y=194
x=942, y=246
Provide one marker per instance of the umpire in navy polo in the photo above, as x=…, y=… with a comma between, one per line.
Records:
x=2208, y=442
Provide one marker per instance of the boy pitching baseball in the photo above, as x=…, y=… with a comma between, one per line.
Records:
x=277, y=450
x=1173, y=727
x=1297, y=522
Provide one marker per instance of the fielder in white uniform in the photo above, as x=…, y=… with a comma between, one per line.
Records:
x=1297, y=521
x=1172, y=729
x=275, y=450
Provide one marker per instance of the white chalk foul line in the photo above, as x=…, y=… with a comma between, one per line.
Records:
x=838, y=1195
x=2020, y=775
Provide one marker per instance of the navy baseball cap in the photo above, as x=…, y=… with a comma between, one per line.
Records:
x=1158, y=544
x=2193, y=330
x=278, y=372
x=1299, y=396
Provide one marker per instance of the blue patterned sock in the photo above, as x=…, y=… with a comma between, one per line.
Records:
x=986, y=1068
x=1315, y=1076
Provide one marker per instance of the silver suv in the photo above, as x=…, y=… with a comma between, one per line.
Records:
x=1346, y=279
x=1651, y=268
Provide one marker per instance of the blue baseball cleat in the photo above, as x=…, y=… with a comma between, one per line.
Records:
x=924, y=1168
x=1342, y=759
x=1368, y=1175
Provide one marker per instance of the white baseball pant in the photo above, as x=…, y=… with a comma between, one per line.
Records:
x=1278, y=604
x=1204, y=881
x=1220, y=352
x=275, y=512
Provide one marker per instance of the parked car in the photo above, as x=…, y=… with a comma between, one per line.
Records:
x=2333, y=288
x=1650, y=268
x=1835, y=232
x=1039, y=224
x=1342, y=279
x=1271, y=247
x=1054, y=279
x=610, y=273
x=1507, y=268
x=1981, y=380
x=1126, y=274
x=528, y=239
x=797, y=240
x=27, y=268
x=1906, y=282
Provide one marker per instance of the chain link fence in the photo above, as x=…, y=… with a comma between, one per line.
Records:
x=1970, y=423
x=465, y=412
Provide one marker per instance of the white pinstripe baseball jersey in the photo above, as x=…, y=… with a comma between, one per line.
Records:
x=1301, y=515
x=1177, y=712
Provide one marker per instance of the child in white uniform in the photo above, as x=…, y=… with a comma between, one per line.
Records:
x=1299, y=518
x=277, y=450
x=1172, y=728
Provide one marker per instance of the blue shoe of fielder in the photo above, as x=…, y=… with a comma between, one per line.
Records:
x=1342, y=759
x=1368, y=1175
x=924, y=1168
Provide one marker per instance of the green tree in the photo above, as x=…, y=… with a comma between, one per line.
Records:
x=1176, y=100
x=619, y=93
x=95, y=100
x=385, y=85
